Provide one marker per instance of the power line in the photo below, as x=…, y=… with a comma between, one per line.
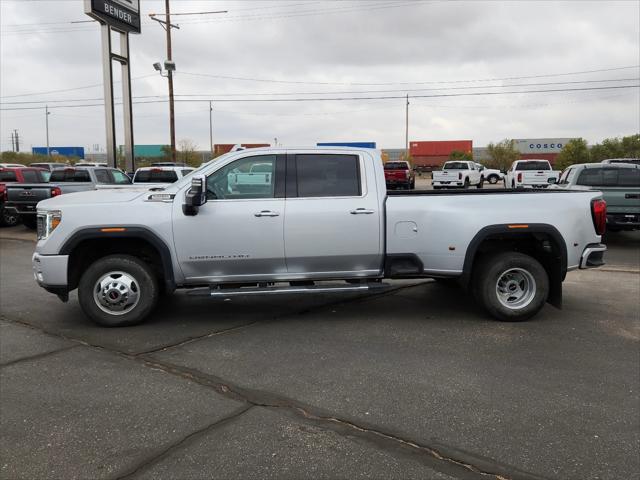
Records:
x=338, y=99
x=205, y=96
x=300, y=82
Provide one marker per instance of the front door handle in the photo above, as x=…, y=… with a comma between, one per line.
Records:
x=266, y=213
x=361, y=211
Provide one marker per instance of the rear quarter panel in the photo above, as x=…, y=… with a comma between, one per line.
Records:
x=439, y=228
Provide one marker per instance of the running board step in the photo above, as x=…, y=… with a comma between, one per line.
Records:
x=327, y=288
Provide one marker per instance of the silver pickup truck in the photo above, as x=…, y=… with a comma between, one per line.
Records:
x=23, y=198
x=324, y=222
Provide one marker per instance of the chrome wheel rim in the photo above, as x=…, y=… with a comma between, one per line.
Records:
x=515, y=288
x=116, y=293
x=9, y=218
x=493, y=180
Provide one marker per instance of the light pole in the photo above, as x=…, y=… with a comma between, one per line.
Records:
x=46, y=117
x=211, y=128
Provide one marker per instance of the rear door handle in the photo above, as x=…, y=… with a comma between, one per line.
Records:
x=266, y=213
x=361, y=211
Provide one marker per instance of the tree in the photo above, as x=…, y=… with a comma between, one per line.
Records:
x=574, y=151
x=458, y=155
x=625, y=147
x=502, y=154
x=187, y=153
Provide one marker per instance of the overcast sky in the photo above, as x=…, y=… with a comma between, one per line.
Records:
x=315, y=49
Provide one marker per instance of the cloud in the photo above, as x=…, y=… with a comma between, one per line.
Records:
x=350, y=42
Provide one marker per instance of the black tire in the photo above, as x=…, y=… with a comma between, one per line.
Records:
x=466, y=183
x=493, y=179
x=8, y=218
x=481, y=183
x=29, y=221
x=513, y=184
x=413, y=184
x=145, y=282
x=495, y=267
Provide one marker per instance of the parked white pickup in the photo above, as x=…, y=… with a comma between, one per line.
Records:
x=530, y=173
x=457, y=174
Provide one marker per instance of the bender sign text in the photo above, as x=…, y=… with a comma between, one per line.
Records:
x=123, y=15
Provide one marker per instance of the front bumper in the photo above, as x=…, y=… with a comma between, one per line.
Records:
x=593, y=255
x=50, y=271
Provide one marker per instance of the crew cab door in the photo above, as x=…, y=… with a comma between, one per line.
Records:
x=332, y=217
x=238, y=234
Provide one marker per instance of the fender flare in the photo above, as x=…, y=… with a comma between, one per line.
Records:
x=557, y=275
x=137, y=232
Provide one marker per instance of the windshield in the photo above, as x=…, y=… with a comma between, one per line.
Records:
x=533, y=166
x=396, y=166
x=455, y=166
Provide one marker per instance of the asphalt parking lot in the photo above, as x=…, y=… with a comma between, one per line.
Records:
x=415, y=382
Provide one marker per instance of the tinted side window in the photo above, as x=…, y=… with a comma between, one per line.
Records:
x=102, y=176
x=7, y=176
x=328, y=175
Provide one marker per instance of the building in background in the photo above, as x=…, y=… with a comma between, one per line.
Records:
x=543, y=148
x=347, y=144
x=430, y=155
x=77, y=152
x=222, y=148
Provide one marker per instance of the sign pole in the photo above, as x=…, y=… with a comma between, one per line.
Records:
x=127, y=104
x=109, y=110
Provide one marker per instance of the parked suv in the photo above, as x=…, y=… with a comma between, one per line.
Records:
x=620, y=187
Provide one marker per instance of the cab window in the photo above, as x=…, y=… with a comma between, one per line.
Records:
x=120, y=178
x=328, y=175
x=249, y=177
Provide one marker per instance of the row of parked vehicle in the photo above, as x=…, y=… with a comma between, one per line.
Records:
x=22, y=187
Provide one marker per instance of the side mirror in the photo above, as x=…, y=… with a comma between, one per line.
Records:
x=552, y=180
x=195, y=197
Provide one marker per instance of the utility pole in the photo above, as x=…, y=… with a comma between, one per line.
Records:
x=17, y=140
x=172, y=120
x=13, y=145
x=406, y=129
x=46, y=116
x=211, y=128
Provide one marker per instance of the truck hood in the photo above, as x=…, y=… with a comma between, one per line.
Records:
x=93, y=197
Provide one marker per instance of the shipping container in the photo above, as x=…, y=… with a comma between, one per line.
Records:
x=347, y=144
x=428, y=162
x=439, y=148
x=221, y=148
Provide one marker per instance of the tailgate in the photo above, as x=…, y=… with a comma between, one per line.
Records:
x=621, y=199
x=539, y=177
x=26, y=197
x=395, y=174
x=444, y=176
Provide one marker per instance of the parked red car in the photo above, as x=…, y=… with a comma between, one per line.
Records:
x=399, y=174
x=9, y=218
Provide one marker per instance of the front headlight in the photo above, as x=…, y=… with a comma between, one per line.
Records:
x=48, y=220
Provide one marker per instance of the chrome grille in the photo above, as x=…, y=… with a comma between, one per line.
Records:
x=41, y=219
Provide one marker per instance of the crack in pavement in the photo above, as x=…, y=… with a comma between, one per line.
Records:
x=155, y=458
x=461, y=461
x=37, y=356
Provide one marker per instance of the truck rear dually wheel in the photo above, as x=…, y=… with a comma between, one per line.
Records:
x=118, y=291
x=511, y=286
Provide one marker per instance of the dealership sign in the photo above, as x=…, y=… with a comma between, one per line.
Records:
x=541, y=145
x=123, y=15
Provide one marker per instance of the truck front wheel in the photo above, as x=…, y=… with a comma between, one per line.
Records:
x=511, y=286
x=118, y=291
